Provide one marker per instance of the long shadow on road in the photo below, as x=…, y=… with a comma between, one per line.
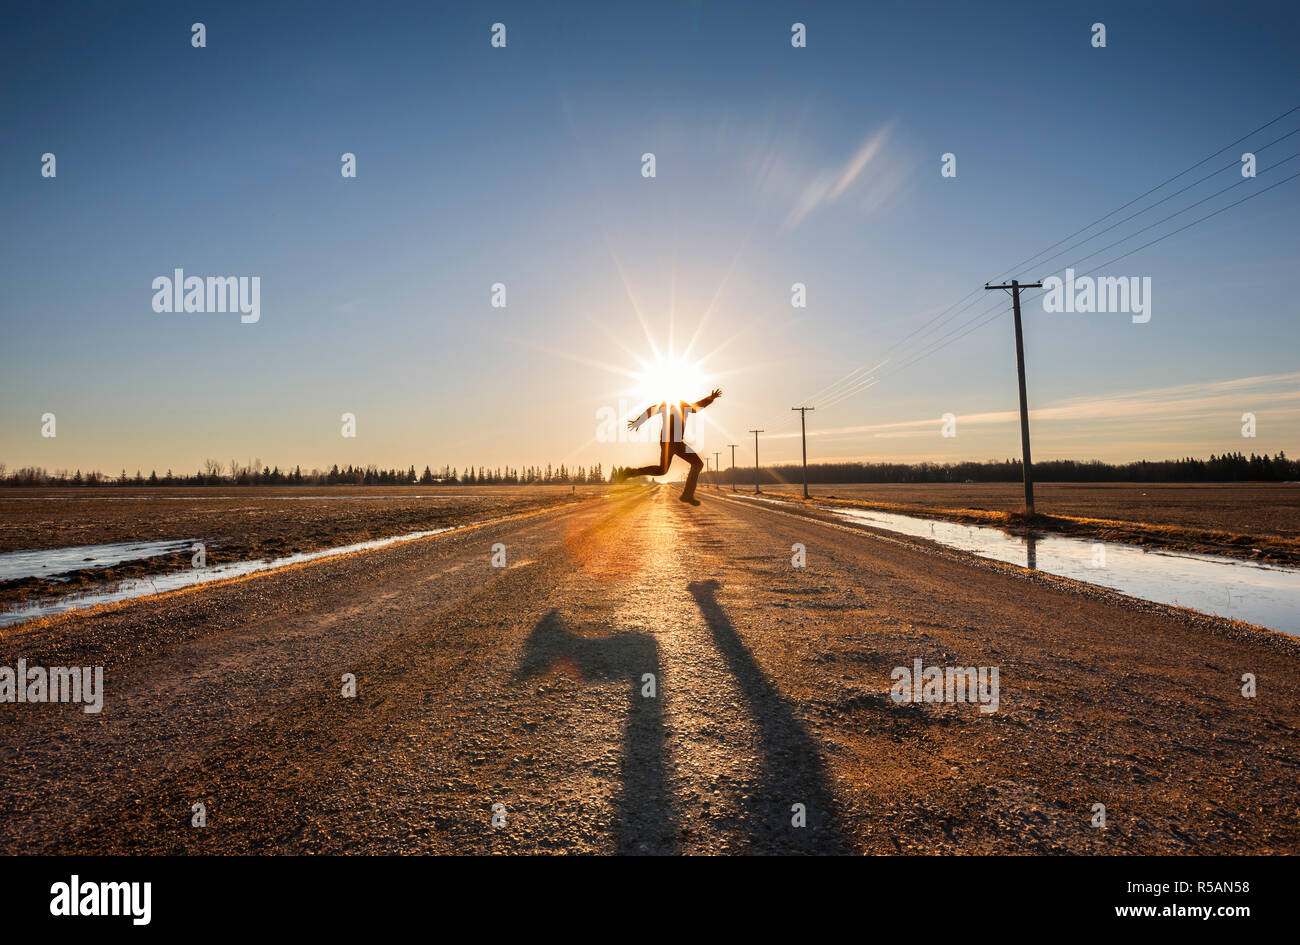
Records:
x=646, y=821
x=792, y=771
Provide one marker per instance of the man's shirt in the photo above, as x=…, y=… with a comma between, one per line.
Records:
x=673, y=428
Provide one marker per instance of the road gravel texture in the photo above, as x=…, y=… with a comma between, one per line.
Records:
x=505, y=709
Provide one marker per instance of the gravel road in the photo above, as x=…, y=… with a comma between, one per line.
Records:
x=525, y=686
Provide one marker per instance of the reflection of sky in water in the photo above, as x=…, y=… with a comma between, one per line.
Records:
x=54, y=561
x=1262, y=594
x=141, y=587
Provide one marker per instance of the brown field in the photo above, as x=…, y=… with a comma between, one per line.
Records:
x=240, y=523
x=1254, y=520
x=1250, y=520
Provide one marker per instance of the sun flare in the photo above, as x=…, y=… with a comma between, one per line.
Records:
x=671, y=379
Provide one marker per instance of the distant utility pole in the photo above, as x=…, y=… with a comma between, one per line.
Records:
x=717, y=472
x=757, y=490
x=1025, y=462
x=733, y=466
x=803, y=435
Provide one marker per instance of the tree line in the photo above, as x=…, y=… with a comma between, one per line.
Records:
x=215, y=473
x=1227, y=467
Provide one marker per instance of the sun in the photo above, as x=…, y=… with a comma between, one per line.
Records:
x=671, y=379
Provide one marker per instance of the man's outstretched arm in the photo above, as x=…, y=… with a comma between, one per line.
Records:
x=635, y=424
x=704, y=402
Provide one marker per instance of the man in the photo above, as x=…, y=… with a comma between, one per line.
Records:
x=672, y=441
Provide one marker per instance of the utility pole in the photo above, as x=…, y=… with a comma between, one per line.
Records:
x=757, y=490
x=733, y=465
x=1025, y=462
x=717, y=472
x=803, y=436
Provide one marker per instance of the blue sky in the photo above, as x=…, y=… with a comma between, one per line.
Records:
x=522, y=165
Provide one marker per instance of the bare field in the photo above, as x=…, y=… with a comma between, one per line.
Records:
x=240, y=523
x=1254, y=520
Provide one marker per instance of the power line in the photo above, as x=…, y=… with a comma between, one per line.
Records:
x=977, y=324
x=1170, y=197
x=1125, y=239
x=853, y=382
x=1167, y=180
x=979, y=320
x=1194, y=222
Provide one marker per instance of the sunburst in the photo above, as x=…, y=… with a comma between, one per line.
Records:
x=669, y=378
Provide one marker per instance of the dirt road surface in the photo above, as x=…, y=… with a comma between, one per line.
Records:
x=526, y=687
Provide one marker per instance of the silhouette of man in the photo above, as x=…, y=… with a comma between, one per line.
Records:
x=672, y=439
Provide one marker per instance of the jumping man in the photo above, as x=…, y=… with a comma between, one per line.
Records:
x=672, y=441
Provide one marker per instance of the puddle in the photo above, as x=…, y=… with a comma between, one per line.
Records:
x=142, y=587
x=52, y=562
x=1263, y=594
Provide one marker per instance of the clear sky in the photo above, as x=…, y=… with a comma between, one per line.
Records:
x=523, y=165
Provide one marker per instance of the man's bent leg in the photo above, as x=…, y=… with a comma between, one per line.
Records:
x=693, y=476
x=665, y=459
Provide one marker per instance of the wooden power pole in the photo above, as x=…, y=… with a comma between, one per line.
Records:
x=1026, y=463
x=803, y=436
x=757, y=490
x=733, y=465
